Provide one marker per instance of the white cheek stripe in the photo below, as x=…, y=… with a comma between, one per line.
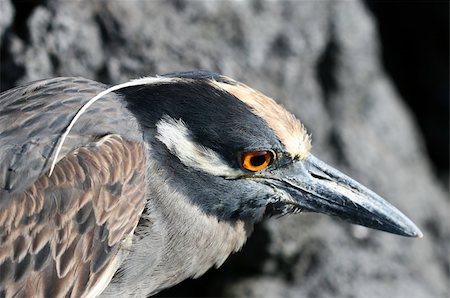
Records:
x=177, y=138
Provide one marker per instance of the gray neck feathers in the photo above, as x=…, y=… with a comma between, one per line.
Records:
x=175, y=240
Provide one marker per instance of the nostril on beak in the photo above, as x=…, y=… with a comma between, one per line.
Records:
x=320, y=176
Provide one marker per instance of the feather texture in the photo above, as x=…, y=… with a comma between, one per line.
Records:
x=65, y=235
x=59, y=237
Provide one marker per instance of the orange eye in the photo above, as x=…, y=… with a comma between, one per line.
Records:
x=256, y=160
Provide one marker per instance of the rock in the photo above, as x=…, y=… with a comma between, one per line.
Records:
x=6, y=16
x=321, y=60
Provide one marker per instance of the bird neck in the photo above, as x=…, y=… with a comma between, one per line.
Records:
x=193, y=240
x=175, y=240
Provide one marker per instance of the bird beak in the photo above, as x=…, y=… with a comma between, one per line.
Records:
x=316, y=186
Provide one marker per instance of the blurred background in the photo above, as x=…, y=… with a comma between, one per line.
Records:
x=370, y=81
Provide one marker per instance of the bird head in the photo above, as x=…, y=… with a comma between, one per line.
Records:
x=236, y=154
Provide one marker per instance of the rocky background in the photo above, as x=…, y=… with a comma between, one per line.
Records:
x=323, y=61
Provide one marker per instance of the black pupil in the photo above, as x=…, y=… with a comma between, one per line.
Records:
x=258, y=160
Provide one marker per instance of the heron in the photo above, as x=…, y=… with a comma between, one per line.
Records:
x=129, y=189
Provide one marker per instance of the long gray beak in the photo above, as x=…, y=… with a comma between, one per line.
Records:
x=316, y=186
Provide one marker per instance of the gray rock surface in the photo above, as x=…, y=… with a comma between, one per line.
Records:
x=6, y=16
x=321, y=60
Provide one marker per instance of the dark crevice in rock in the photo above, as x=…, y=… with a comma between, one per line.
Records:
x=10, y=71
x=54, y=60
x=336, y=146
x=180, y=5
x=326, y=73
x=285, y=266
x=326, y=68
x=110, y=30
x=237, y=36
x=23, y=10
x=102, y=74
x=281, y=46
x=111, y=34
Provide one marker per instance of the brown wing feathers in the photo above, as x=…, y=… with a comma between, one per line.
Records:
x=60, y=236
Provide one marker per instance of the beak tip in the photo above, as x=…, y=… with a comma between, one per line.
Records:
x=418, y=234
x=414, y=232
